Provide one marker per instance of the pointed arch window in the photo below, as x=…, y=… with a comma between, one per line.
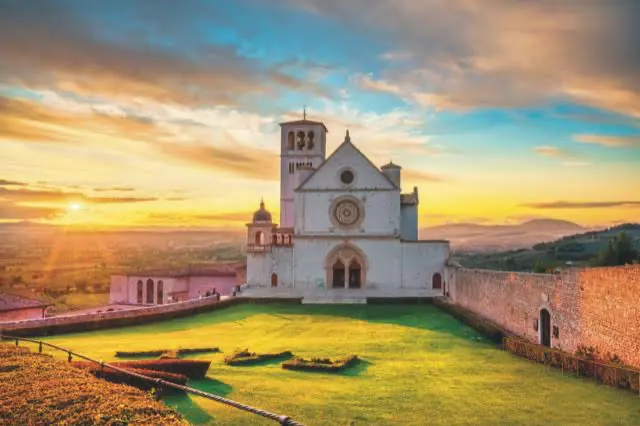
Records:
x=140, y=291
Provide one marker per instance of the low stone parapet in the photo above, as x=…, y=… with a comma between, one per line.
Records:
x=95, y=321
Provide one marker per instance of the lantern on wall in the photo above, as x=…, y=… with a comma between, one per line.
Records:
x=535, y=324
x=556, y=332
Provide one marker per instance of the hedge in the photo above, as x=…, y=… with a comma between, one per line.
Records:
x=609, y=374
x=244, y=357
x=320, y=364
x=115, y=376
x=160, y=352
x=38, y=389
x=193, y=369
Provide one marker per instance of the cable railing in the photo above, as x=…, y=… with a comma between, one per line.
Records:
x=282, y=419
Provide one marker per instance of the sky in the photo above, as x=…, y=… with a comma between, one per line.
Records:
x=165, y=114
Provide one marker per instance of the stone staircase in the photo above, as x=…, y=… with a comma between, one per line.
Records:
x=334, y=299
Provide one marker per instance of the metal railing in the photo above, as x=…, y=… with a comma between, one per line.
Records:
x=282, y=419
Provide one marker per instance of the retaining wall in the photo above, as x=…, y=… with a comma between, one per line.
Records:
x=597, y=307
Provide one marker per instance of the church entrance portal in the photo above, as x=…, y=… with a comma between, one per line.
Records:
x=338, y=274
x=346, y=267
x=545, y=328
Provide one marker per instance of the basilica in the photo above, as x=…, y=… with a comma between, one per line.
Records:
x=346, y=229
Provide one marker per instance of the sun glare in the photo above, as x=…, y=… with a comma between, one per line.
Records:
x=75, y=206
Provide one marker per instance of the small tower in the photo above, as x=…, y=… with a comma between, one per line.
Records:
x=303, y=145
x=260, y=229
x=393, y=172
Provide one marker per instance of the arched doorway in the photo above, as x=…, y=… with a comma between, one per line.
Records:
x=436, y=281
x=274, y=280
x=545, y=328
x=140, y=291
x=355, y=274
x=338, y=274
x=150, y=291
x=346, y=267
x=160, y=293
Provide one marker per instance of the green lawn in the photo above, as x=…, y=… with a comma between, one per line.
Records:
x=422, y=367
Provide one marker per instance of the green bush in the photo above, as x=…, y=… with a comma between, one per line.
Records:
x=320, y=364
x=244, y=357
x=160, y=352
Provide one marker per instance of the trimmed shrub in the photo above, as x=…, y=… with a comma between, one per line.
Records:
x=320, y=364
x=193, y=369
x=120, y=377
x=244, y=357
x=169, y=355
x=608, y=374
x=160, y=352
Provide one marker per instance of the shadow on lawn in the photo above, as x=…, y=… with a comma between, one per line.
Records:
x=421, y=316
x=189, y=408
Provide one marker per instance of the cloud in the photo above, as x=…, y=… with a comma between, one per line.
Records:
x=582, y=204
x=500, y=53
x=413, y=175
x=115, y=188
x=188, y=217
x=253, y=163
x=10, y=211
x=4, y=182
x=52, y=45
x=551, y=151
x=75, y=123
x=46, y=196
x=568, y=159
x=610, y=141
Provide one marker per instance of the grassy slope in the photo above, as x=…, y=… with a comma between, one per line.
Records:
x=36, y=389
x=422, y=367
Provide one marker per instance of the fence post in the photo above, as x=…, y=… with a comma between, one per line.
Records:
x=40, y=347
x=69, y=356
x=16, y=343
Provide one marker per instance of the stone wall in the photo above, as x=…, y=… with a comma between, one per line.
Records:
x=94, y=321
x=597, y=307
x=21, y=314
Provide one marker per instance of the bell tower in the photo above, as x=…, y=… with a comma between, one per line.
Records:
x=303, y=145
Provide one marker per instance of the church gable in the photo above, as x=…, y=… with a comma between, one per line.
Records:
x=347, y=168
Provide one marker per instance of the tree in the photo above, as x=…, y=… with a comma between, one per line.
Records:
x=619, y=251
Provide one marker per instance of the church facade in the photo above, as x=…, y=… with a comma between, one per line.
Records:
x=345, y=227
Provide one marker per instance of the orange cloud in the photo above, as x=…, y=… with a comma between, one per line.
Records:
x=582, y=204
x=420, y=176
x=611, y=141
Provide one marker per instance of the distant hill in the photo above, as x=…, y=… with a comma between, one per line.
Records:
x=576, y=250
x=471, y=237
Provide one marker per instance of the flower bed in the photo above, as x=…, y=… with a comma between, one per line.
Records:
x=37, y=389
x=244, y=357
x=320, y=364
x=160, y=352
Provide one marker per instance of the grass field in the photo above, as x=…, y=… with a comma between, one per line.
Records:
x=422, y=367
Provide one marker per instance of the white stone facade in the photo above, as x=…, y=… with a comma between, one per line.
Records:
x=347, y=227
